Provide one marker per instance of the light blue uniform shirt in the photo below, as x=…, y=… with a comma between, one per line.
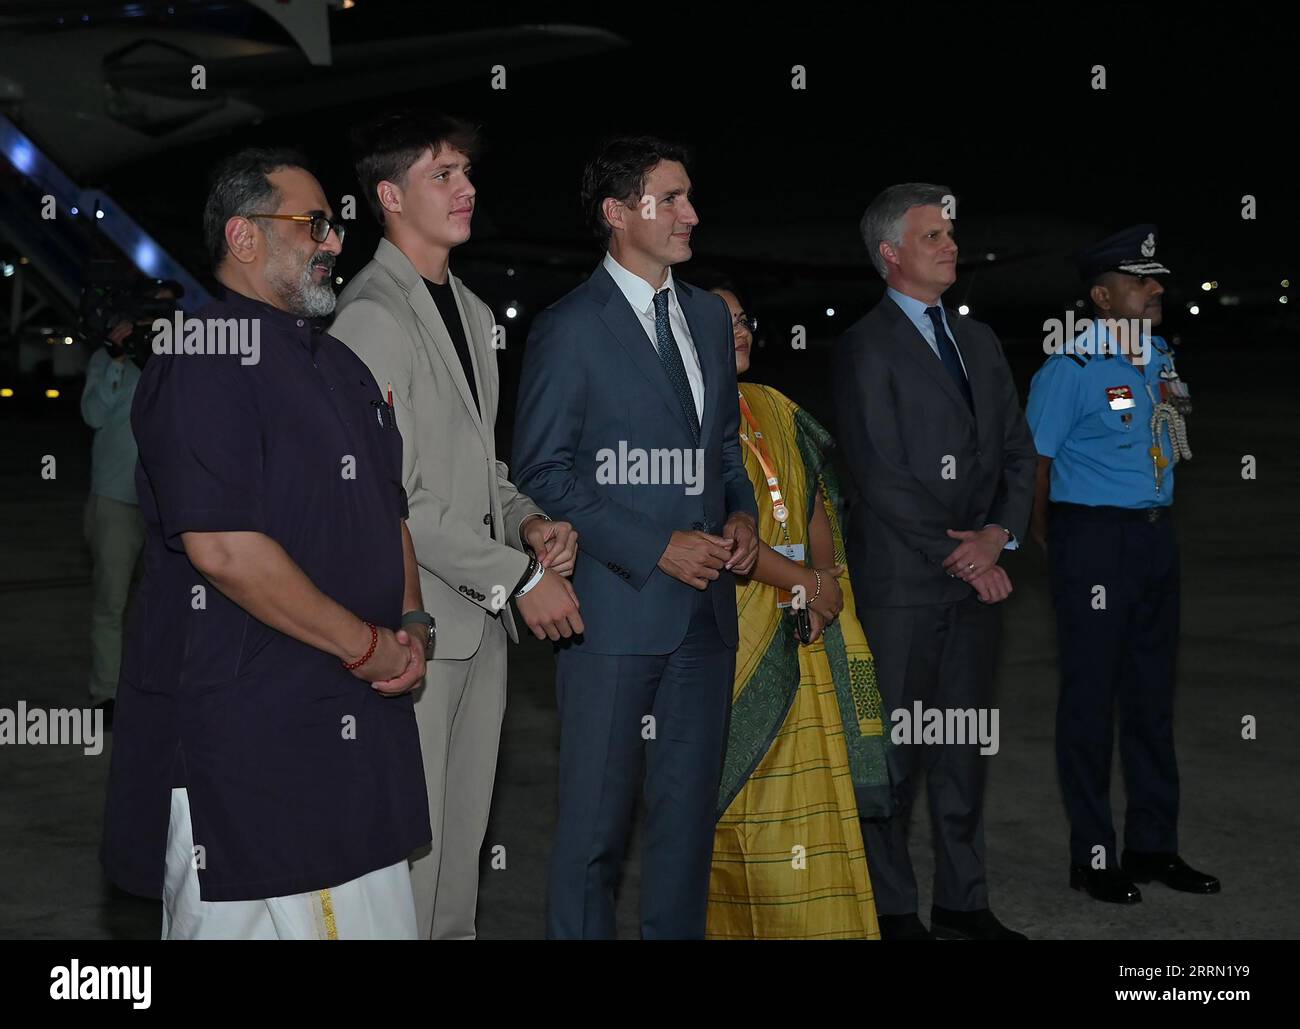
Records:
x=1100, y=449
x=106, y=408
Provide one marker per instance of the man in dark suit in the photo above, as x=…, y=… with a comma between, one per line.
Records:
x=943, y=464
x=628, y=428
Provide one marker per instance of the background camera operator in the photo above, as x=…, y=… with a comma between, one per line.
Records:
x=112, y=523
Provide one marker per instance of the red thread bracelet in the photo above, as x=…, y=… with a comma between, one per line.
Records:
x=374, y=642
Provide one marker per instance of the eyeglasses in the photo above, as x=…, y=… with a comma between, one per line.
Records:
x=320, y=225
x=743, y=320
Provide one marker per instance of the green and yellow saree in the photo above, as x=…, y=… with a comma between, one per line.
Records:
x=806, y=748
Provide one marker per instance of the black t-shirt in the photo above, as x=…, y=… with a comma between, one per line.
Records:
x=446, y=302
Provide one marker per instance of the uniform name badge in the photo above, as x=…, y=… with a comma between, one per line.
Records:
x=1120, y=398
x=794, y=551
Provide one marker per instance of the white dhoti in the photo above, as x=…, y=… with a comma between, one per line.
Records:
x=376, y=906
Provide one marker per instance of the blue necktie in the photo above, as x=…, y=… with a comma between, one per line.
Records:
x=670, y=357
x=949, y=356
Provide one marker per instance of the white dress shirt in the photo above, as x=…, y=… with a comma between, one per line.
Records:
x=641, y=295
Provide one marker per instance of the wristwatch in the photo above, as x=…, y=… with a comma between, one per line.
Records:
x=425, y=619
x=536, y=514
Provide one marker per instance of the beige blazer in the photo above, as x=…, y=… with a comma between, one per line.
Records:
x=459, y=494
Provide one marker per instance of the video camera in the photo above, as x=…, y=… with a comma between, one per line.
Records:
x=115, y=294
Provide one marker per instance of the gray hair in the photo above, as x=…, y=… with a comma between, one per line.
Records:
x=240, y=186
x=883, y=221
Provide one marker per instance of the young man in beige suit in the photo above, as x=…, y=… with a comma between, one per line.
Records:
x=478, y=540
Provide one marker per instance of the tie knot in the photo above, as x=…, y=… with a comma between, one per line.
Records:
x=661, y=300
x=934, y=312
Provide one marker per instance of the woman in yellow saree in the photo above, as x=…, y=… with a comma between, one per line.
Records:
x=805, y=750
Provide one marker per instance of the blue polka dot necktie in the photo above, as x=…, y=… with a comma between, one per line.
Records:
x=949, y=356
x=671, y=358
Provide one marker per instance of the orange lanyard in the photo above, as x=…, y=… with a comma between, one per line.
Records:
x=779, y=511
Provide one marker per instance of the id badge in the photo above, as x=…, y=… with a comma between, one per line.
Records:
x=794, y=551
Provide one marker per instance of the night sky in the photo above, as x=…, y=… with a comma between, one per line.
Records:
x=995, y=102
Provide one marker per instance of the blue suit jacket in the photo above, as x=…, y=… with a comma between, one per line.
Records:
x=592, y=381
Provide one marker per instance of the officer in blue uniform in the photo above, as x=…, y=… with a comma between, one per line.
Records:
x=1107, y=411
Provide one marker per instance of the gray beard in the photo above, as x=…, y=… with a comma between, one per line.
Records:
x=302, y=295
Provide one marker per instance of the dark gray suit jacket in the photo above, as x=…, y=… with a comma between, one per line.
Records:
x=919, y=461
x=592, y=381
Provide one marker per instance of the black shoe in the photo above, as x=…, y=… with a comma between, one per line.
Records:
x=1109, y=884
x=107, y=707
x=969, y=925
x=1169, y=869
x=902, y=927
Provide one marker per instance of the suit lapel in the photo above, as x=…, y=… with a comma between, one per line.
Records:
x=622, y=321
x=480, y=351
x=417, y=295
x=918, y=351
x=686, y=297
x=974, y=370
x=427, y=311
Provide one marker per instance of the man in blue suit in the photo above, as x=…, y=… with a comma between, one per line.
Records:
x=628, y=428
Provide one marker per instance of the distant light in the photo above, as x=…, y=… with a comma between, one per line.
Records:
x=22, y=260
x=963, y=309
x=6, y=269
x=99, y=214
x=1206, y=286
x=1282, y=299
x=512, y=312
x=67, y=340
x=22, y=156
x=6, y=392
x=338, y=280
x=990, y=257
x=52, y=394
x=510, y=271
x=1286, y=283
x=1214, y=284
x=830, y=312
x=85, y=17
x=349, y=4
x=1194, y=309
x=146, y=256
x=1078, y=303
x=74, y=211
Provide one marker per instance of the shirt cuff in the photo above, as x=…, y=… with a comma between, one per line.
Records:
x=1012, y=543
